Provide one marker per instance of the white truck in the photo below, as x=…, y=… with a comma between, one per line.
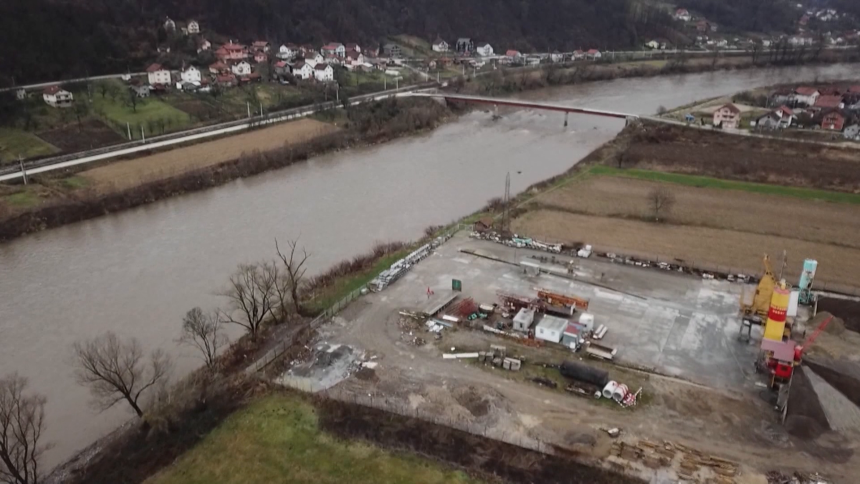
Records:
x=584, y=252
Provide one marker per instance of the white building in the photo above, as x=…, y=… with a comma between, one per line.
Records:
x=193, y=27
x=241, y=68
x=192, y=75
x=550, y=328
x=323, y=73
x=440, y=46
x=484, y=49
x=158, y=75
x=287, y=51
x=302, y=70
x=683, y=15
x=58, y=97
x=806, y=95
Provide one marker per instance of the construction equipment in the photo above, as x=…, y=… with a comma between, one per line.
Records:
x=760, y=301
x=811, y=339
x=556, y=299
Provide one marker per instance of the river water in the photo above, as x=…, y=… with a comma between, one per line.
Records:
x=136, y=273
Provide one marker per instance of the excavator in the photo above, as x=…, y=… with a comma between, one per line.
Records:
x=759, y=304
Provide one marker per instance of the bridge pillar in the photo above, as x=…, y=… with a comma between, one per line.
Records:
x=566, y=113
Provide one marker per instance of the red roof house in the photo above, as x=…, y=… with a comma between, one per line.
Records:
x=828, y=102
x=834, y=121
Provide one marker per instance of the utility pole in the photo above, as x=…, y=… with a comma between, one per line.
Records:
x=261, y=108
x=505, y=205
x=784, y=261
x=142, y=134
x=128, y=130
x=23, y=170
x=396, y=83
x=248, y=104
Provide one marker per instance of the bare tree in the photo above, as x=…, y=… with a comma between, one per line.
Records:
x=22, y=421
x=204, y=332
x=252, y=294
x=294, y=265
x=116, y=370
x=661, y=200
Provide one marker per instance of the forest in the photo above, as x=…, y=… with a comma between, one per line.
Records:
x=62, y=39
x=778, y=16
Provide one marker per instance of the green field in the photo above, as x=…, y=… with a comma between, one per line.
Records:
x=278, y=440
x=345, y=285
x=703, y=181
x=15, y=142
x=149, y=110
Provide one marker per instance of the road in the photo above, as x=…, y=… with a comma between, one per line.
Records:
x=12, y=173
x=41, y=85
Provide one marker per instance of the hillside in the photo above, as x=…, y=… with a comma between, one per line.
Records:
x=53, y=39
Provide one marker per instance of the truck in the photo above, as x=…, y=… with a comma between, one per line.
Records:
x=599, y=351
x=584, y=252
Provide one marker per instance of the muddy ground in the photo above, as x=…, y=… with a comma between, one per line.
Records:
x=88, y=135
x=682, y=150
x=848, y=311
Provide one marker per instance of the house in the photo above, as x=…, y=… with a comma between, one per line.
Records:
x=323, y=72
x=241, y=68
x=353, y=47
x=260, y=57
x=21, y=94
x=169, y=25
x=157, y=75
x=227, y=80
x=781, y=96
x=777, y=119
x=484, y=49
x=193, y=27
x=392, y=50
x=232, y=51
x=550, y=328
x=314, y=59
x=513, y=55
x=140, y=90
x=218, y=68
x=829, y=101
x=727, y=117
x=439, y=45
x=306, y=48
x=578, y=55
x=806, y=95
x=302, y=70
x=786, y=116
x=261, y=46
x=523, y=320
x=484, y=224
x=833, y=121
x=852, y=132
x=192, y=75
x=333, y=49
x=532, y=60
x=556, y=56
x=653, y=45
x=203, y=45
x=287, y=51
x=593, y=54
x=464, y=45
x=683, y=15
x=57, y=97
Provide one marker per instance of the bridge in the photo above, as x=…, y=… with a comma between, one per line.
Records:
x=496, y=102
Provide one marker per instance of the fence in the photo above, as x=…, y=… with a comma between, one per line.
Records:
x=282, y=347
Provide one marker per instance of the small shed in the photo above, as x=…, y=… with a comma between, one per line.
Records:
x=483, y=225
x=572, y=334
x=587, y=320
x=524, y=319
x=551, y=328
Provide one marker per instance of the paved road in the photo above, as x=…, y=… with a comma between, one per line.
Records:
x=41, y=85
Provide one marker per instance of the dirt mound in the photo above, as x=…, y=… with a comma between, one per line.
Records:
x=806, y=418
x=836, y=326
x=367, y=374
x=846, y=384
x=475, y=401
x=847, y=311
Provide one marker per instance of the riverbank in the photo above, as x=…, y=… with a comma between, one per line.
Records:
x=53, y=201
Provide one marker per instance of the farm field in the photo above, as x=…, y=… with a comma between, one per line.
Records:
x=155, y=115
x=278, y=439
x=16, y=142
x=130, y=173
x=91, y=133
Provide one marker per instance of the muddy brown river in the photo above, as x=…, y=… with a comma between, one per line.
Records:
x=136, y=273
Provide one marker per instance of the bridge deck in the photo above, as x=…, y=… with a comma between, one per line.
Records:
x=525, y=104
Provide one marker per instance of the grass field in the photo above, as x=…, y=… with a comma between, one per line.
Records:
x=150, y=110
x=278, y=440
x=346, y=285
x=15, y=142
x=708, y=182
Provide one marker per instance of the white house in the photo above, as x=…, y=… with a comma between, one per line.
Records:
x=550, y=328
x=806, y=95
x=484, y=49
x=303, y=70
x=683, y=15
x=594, y=54
x=287, y=51
x=58, y=97
x=158, y=75
x=440, y=46
x=727, y=117
x=193, y=27
x=192, y=75
x=556, y=57
x=241, y=68
x=314, y=59
x=334, y=48
x=323, y=72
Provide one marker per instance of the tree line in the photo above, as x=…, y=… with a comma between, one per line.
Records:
x=117, y=370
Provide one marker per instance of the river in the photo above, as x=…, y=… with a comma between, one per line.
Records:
x=136, y=273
